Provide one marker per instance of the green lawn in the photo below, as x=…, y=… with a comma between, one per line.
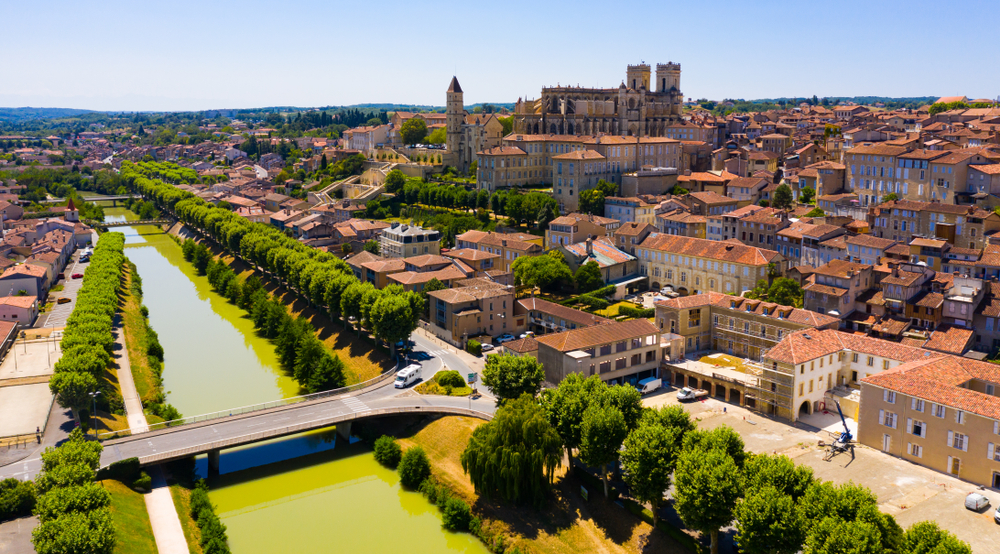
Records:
x=612, y=310
x=133, y=533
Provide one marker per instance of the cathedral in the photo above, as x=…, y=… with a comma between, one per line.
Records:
x=640, y=106
x=467, y=134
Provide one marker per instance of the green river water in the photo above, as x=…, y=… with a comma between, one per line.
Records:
x=304, y=493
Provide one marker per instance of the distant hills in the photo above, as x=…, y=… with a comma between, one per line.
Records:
x=18, y=115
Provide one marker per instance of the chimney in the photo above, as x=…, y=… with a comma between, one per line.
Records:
x=590, y=246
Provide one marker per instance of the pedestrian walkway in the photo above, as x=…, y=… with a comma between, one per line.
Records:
x=133, y=405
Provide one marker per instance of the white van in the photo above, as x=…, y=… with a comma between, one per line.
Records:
x=407, y=376
x=976, y=502
x=649, y=385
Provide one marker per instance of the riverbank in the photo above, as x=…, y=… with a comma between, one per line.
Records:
x=362, y=360
x=567, y=525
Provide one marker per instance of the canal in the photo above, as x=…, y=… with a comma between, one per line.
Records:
x=303, y=493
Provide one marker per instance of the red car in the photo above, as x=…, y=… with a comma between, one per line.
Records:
x=78, y=275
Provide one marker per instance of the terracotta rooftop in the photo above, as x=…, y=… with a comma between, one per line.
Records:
x=589, y=337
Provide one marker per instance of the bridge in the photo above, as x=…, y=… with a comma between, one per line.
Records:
x=113, y=199
x=160, y=221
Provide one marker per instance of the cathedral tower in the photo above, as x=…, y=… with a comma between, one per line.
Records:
x=454, y=120
x=637, y=77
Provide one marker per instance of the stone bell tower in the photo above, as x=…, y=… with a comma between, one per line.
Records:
x=455, y=118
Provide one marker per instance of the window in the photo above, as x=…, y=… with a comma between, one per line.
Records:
x=959, y=417
x=855, y=358
x=871, y=361
x=916, y=428
x=885, y=363
x=889, y=396
x=887, y=418
x=937, y=410
x=916, y=450
x=958, y=441
x=917, y=405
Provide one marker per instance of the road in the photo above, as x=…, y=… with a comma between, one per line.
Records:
x=194, y=438
x=59, y=313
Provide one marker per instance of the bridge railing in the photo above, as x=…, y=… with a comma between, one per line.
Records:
x=251, y=408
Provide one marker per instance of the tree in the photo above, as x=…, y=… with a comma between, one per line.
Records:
x=413, y=130
x=892, y=196
x=601, y=437
x=346, y=248
x=515, y=455
x=807, y=194
x=815, y=212
x=768, y=522
x=71, y=388
x=836, y=536
x=588, y=277
x=395, y=181
x=927, y=538
x=387, y=451
x=779, y=472
x=393, y=320
x=414, y=467
x=565, y=405
x=721, y=438
x=627, y=400
x=782, y=198
x=648, y=460
x=706, y=490
x=786, y=292
x=510, y=376
x=372, y=246
x=545, y=271
x=592, y=202
x=437, y=136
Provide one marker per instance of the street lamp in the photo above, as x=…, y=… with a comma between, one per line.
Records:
x=93, y=415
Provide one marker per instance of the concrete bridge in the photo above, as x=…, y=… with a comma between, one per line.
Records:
x=160, y=221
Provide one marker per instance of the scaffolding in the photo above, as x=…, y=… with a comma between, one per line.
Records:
x=772, y=387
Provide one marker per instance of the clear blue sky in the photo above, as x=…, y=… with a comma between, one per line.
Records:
x=193, y=55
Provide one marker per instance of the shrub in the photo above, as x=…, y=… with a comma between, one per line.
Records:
x=595, y=303
x=387, y=451
x=17, y=498
x=450, y=378
x=414, y=467
x=636, y=313
x=143, y=482
x=474, y=347
x=457, y=515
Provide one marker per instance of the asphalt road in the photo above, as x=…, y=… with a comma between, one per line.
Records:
x=274, y=421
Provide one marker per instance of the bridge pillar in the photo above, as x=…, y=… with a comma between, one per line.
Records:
x=213, y=462
x=344, y=431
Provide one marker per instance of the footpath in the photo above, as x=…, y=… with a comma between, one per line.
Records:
x=163, y=518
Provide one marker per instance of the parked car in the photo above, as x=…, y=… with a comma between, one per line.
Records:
x=487, y=347
x=63, y=300
x=407, y=376
x=85, y=258
x=61, y=276
x=996, y=515
x=506, y=337
x=78, y=275
x=527, y=334
x=976, y=502
x=688, y=393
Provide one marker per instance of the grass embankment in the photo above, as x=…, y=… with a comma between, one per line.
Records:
x=567, y=525
x=362, y=361
x=146, y=382
x=182, y=503
x=133, y=532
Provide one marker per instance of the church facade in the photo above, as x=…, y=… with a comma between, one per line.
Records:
x=643, y=105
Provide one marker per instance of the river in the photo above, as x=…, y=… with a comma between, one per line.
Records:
x=303, y=493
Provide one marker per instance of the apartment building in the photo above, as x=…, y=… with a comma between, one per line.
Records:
x=576, y=227
x=867, y=249
x=873, y=171
x=734, y=325
x=479, y=261
x=938, y=411
x=509, y=246
x=826, y=177
x=683, y=223
x=471, y=311
x=619, y=352
x=629, y=210
x=542, y=316
x=834, y=287
x=815, y=250
x=402, y=240
x=761, y=227
x=726, y=225
x=709, y=203
x=746, y=189
x=962, y=226
x=575, y=172
x=693, y=265
x=629, y=235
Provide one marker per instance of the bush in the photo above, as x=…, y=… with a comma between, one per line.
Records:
x=17, y=498
x=126, y=471
x=636, y=313
x=450, y=378
x=414, y=467
x=387, y=451
x=474, y=347
x=595, y=303
x=456, y=514
x=144, y=482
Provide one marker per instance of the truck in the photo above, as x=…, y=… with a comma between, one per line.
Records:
x=687, y=393
x=649, y=385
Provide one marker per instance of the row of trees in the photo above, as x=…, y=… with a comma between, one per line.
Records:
x=322, y=279
x=778, y=507
x=73, y=511
x=87, y=340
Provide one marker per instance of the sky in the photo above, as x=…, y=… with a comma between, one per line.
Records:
x=185, y=55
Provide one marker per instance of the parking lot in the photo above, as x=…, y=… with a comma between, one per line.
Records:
x=909, y=492
x=59, y=313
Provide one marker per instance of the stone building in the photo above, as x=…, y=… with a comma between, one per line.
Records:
x=641, y=106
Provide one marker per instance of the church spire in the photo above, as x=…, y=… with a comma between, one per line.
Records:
x=454, y=86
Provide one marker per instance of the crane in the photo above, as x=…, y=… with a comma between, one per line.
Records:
x=843, y=441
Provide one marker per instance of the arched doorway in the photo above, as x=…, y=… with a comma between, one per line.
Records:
x=805, y=409
x=682, y=291
x=734, y=396
x=655, y=285
x=720, y=392
x=692, y=382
